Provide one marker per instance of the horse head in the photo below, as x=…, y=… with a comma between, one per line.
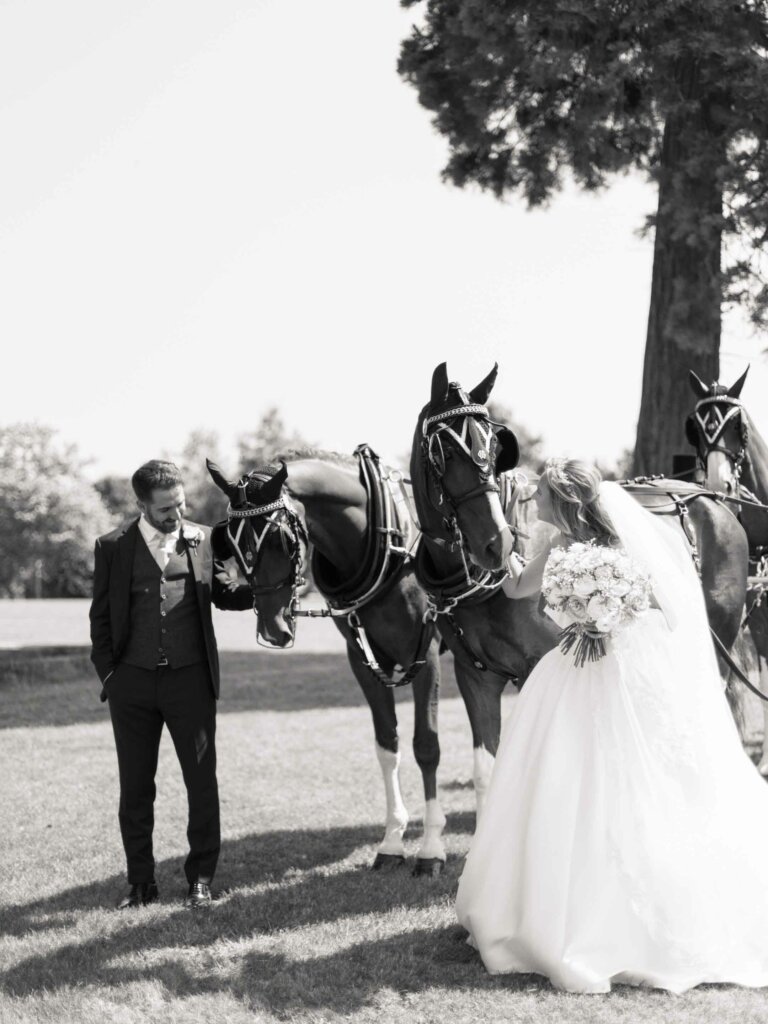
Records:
x=265, y=534
x=718, y=430
x=457, y=454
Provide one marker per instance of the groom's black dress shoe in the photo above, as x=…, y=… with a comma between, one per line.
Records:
x=199, y=895
x=139, y=895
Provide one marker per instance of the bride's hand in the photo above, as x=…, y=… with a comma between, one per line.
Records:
x=514, y=566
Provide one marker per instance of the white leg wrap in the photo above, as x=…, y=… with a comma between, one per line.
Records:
x=434, y=822
x=483, y=768
x=397, y=815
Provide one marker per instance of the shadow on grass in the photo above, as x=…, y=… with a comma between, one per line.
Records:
x=249, y=682
x=296, y=891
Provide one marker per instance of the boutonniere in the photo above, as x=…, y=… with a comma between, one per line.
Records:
x=192, y=535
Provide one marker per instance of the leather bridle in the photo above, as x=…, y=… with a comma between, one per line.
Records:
x=711, y=421
x=279, y=517
x=475, y=436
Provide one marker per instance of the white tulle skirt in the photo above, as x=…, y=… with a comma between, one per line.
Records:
x=625, y=832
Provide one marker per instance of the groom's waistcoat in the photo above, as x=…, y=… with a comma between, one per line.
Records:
x=165, y=617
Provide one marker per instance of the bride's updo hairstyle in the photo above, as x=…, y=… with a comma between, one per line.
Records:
x=576, y=510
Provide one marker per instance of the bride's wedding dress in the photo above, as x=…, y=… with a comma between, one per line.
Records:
x=625, y=833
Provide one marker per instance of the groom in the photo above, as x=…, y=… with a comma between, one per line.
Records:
x=155, y=653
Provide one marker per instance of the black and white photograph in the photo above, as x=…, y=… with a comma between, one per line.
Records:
x=384, y=512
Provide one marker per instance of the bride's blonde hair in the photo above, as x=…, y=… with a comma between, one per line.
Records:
x=576, y=509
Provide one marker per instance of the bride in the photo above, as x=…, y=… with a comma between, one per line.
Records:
x=624, y=834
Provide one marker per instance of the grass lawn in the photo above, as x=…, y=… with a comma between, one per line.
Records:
x=304, y=930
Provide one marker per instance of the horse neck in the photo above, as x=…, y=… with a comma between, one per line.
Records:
x=755, y=469
x=435, y=533
x=335, y=509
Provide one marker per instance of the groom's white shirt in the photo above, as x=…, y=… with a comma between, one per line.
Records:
x=161, y=545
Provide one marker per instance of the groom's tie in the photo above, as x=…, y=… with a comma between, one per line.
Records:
x=161, y=548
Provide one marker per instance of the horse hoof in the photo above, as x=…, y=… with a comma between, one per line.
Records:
x=388, y=861
x=763, y=768
x=431, y=866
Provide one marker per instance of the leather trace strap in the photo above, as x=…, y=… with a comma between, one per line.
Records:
x=370, y=661
x=722, y=650
x=388, y=552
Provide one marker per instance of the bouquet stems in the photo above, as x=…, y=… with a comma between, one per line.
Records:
x=589, y=645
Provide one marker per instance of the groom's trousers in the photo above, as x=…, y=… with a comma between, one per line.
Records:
x=141, y=701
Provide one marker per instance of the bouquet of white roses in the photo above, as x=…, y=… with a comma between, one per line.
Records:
x=600, y=589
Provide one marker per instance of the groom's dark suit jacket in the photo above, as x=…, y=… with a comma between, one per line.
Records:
x=111, y=606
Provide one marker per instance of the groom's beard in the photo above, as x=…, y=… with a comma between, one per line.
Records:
x=163, y=525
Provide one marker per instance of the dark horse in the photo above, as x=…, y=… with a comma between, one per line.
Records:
x=351, y=512
x=459, y=461
x=733, y=458
x=458, y=503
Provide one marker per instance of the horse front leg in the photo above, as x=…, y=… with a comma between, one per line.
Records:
x=758, y=629
x=481, y=693
x=430, y=856
x=391, y=851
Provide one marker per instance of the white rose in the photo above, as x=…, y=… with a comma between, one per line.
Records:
x=619, y=588
x=585, y=586
x=601, y=607
x=639, y=603
x=606, y=624
x=577, y=609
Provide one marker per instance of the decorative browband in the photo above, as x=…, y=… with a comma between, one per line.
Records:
x=257, y=510
x=459, y=410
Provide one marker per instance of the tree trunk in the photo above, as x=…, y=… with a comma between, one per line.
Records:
x=686, y=289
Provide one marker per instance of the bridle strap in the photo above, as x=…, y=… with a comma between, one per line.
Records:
x=450, y=414
x=279, y=515
x=433, y=428
x=711, y=435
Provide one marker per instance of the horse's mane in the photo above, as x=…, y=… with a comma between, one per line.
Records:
x=758, y=450
x=322, y=454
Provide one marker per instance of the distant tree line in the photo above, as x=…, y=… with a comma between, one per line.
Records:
x=51, y=512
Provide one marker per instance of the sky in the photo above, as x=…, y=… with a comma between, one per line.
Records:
x=208, y=209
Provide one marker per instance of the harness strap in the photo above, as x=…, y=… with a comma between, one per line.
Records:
x=386, y=552
x=361, y=642
x=478, y=663
x=723, y=652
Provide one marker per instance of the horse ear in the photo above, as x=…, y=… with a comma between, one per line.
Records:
x=229, y=488
x=479, y=394
x=508, y=454
x=439, y=385
x=692, y=431
x=270, y=491
x=698, y=387
x=735, y=389
x=219, y=543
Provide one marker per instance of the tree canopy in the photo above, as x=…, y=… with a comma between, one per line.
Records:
x=526, y=92
x=50, y=515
